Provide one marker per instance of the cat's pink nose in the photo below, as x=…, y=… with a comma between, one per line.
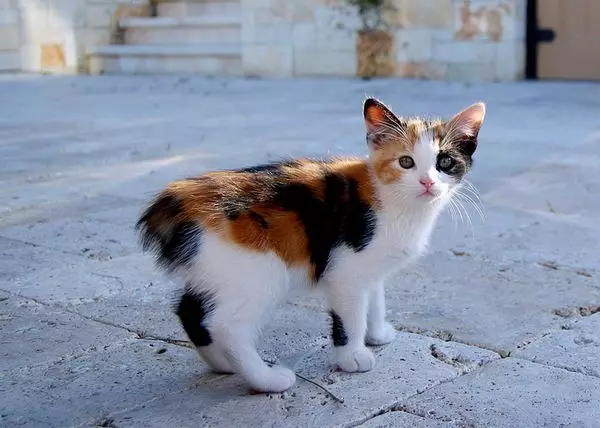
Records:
x=427, y=183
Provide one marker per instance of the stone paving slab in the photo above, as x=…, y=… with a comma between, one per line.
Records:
x=575, y=347
x=399, y=419
x=89, y=238
x=33, y=333
x=408, y=366
x=513, y=393
x=85, y=388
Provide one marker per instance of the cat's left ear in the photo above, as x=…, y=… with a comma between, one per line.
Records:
x=464, y=127
x=379, y=121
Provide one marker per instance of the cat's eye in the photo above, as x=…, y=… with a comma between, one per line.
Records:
x=406, y=162
x=445, y=162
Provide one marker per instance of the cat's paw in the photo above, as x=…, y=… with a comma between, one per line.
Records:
x=276, y=379
x=355, y=359
x=381, y=336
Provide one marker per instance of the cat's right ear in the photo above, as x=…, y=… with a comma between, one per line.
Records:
x=379, y=121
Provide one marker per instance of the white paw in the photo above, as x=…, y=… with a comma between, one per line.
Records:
x=276, y=379
x=355, y=359
x=381, y=336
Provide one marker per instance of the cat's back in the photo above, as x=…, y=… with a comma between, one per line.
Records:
x=292, y=208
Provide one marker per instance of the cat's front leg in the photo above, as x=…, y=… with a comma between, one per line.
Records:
x=348, y=327
x=379, y=331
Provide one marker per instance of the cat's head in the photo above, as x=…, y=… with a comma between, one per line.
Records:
x=421, y=160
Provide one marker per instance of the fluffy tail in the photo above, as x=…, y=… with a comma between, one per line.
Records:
x=164, y=231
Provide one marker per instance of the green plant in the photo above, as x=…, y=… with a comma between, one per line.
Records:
x=370, y=12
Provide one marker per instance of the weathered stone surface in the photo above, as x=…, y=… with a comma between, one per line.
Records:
x=399, y=419
x=9, y=36
x=515, y=300
x=86, y=388
x=404, y=368
x=92, y=151
x=426, y=13
x=513, y=392
x=33, y=334
x=266, y=60
x=574, y=347
x=92, y=239
x=413, y=44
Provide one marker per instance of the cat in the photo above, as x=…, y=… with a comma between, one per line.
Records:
x=239, y=239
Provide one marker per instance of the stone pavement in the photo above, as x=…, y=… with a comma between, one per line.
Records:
x=498, y=324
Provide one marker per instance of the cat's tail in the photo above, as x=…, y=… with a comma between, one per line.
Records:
x=165, y=231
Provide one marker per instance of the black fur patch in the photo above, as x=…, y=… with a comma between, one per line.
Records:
x=259, y=219
x=192, y=310
x=268, y=168
x=174, y=243
x=341, y=218
x=338, y=334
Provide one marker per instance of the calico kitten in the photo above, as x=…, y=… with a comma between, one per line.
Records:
x=239, y=239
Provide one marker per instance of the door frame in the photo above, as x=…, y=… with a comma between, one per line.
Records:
x=531, y=41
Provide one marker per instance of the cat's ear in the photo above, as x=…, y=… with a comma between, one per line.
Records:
x=464, y=127
x=468, y=122
x=379, y=121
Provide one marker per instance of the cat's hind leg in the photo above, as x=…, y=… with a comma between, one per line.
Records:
x=244, y=287
x=193, y=310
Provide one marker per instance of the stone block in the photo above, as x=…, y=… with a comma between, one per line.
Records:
x=510, y=60
x=89, y=238
x=336, y=30
x=304, y=35
x=67, y=13
x=10, y=61
x=321, y=62
x=471, y=72
x=489, y=20
x=100, y=16
x=33, y=334
x=83, y=391
x=516, y=393
x=34, y=25
x=31, y=58
x=574, y=347
x=464, y=52
x=425, y=14
x=400, y=419
x=413, y=45
x=8, y=15
x=53, y=56
x=268, y=60
x=277, y=33
x=292, y=10
x=515, y=300
x=422, y=70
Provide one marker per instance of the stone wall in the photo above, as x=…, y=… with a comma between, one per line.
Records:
x=54, y=35
x=10, y=58
x=460, y=40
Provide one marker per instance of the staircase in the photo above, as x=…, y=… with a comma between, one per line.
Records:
x=186, y=36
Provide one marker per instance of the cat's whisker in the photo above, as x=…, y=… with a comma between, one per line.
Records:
x=471, y=202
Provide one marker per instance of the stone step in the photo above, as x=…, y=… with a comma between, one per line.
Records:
x=187, y=8
x=206, y=29
x=209, y=59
